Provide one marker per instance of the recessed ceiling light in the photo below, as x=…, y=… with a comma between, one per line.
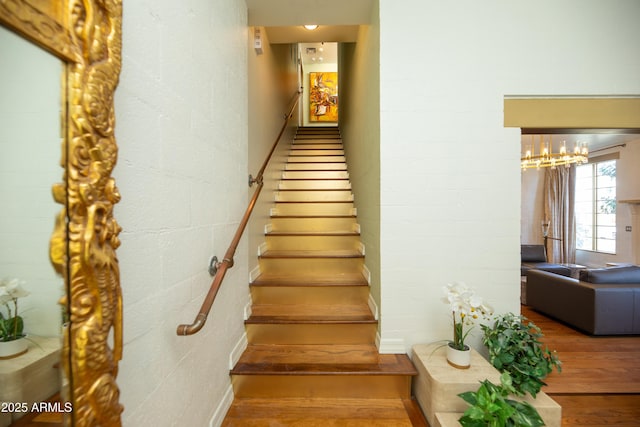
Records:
x=311, y=27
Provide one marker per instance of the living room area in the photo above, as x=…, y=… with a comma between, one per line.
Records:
x=580, y=273
x=580, y=231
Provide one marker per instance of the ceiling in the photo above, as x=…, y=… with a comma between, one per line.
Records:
x=338, y=20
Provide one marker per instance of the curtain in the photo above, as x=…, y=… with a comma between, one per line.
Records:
x=559, y=209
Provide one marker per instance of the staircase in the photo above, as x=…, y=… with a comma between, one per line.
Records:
x=311, y=358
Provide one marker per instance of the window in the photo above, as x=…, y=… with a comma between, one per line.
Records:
x=595, y=206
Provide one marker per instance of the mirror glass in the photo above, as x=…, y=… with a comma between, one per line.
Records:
x=30, y=153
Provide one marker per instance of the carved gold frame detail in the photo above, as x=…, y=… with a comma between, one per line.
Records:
x=86, y=35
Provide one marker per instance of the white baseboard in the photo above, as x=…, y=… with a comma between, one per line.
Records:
x=262, y=248
x=237, y=351
x=248, y=309
x=367, y=274
x=390, y=345
x=374, y=307
x=253, y=274
x=222, y=408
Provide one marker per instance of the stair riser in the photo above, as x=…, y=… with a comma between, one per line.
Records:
x=317, y=138
x=314, y=196
x=309, y=294
x=312, y=243
x=321, y=175
x=336, y=184
x=313, y=224
x=295, y=333
x=307, y=151
x=310, y=266
x=315, y=166
x=312, y=145
x=314, y=209
x=316, y=159
x=318, y=386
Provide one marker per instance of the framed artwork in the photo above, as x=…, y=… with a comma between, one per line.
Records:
x=323, y=96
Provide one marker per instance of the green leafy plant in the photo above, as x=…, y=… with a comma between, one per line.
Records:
x=514, y=347
x=12, y=325
x=491, y=407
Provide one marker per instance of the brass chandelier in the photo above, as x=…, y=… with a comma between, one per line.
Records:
x=546, y=157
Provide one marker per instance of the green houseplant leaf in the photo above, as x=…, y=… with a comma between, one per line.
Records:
x=490, y=406
x=514, y=347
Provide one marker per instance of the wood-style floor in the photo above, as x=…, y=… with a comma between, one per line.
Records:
x=600, y=380
x=599, y=384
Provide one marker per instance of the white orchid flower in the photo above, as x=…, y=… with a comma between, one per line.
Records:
x=466, y=307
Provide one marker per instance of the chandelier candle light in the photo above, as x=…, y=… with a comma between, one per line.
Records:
x=546, y=157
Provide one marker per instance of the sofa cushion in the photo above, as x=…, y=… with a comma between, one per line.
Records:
x=613, y=275
x=533, y=253
x=554, y=268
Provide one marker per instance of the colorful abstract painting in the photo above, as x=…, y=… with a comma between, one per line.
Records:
x=323, y=97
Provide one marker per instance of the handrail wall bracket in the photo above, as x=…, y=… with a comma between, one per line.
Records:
x=214, y=264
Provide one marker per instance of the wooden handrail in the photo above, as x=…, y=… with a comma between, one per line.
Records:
x=227, y=261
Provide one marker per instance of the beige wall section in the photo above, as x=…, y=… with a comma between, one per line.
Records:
x=359, y=75
x=273, y=79
x=564, y=112
x=532, y=210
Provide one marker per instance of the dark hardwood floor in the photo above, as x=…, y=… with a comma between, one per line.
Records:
x=600, y=380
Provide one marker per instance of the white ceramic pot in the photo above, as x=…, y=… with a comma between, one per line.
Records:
x=10, y=349
x=460, y=359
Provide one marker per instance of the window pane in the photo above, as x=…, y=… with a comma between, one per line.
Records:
x=596, y=193
x=604, y=245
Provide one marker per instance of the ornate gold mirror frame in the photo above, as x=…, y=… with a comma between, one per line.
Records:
x=86, y=35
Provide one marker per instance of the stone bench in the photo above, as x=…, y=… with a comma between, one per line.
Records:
x=437, y=385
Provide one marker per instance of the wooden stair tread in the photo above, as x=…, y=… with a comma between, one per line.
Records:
x=311, y=314
x=305, y=360
x=306, y=254
x=306, y=190
x=313, y=201
x=322, y=412
x=307, y=353
x=313, y=233
x=312, y=216
x=340, y=279
x=313, y=178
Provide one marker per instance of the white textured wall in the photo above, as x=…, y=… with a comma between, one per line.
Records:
x=30, y=152
x=181, y=111
x=450, y=177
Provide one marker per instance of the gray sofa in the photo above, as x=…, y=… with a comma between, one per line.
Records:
x=602, y=302
x=535, y=257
